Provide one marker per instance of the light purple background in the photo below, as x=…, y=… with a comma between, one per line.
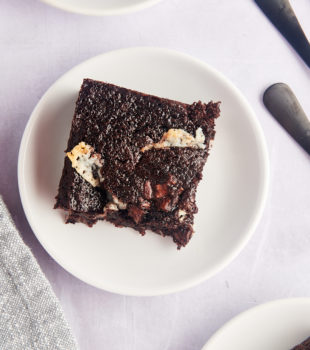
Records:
x=39, y=43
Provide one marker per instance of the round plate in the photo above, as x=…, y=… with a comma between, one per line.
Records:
x=230, y=198
x=101, y=7
x=277, y=325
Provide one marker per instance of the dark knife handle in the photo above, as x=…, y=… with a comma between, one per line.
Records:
x=283, y=18
x=284, y=106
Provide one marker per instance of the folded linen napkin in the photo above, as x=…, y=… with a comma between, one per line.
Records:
x=30, y=314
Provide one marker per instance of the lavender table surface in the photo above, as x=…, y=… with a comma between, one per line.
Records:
x=39, y=43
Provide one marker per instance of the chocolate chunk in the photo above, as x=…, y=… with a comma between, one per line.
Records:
x=161, y=190
x=165, y=204
x=136, y=213
x=148, y=192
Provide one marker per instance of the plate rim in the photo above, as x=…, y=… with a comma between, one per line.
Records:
x=101, y=12
x=236, y=318
x=199, y=278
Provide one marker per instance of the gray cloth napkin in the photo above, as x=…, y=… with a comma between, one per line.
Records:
x=30, y=314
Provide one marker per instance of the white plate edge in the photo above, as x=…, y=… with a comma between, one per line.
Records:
x=252, y=226
x=266, y=305
x=92, y=12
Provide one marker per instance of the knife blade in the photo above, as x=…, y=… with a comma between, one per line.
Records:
x=281, y=102
x=281, y=14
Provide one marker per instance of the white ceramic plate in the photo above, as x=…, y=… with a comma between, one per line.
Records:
x=101, y=7
x=277, y=325
x=230, y=197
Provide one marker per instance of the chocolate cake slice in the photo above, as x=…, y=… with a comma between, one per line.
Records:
x=135, y=160
x=303, y=346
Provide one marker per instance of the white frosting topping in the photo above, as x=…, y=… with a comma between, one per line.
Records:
x=121, y=205
x=114, y=203
x=86, y=162
x=111, y=206
x=182, y=214
x=179, y=138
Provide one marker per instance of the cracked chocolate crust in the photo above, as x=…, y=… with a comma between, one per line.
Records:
x=158, y=186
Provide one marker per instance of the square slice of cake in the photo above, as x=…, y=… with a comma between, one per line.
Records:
x=135, y=160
